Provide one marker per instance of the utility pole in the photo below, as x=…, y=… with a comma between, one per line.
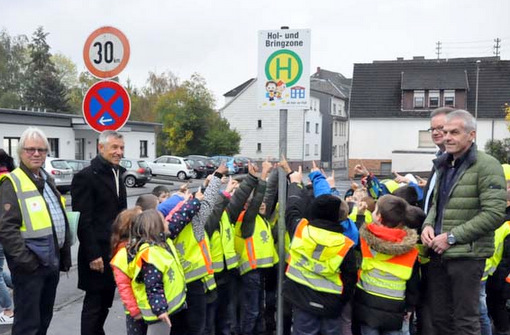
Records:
x=497, y=46
x=438, y=49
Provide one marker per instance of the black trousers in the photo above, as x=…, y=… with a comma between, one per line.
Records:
x=191, y=321
x=34, y=296
x=454, y=293
x=96, y=306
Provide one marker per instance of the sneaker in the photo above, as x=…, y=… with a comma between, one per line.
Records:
x=5, y=319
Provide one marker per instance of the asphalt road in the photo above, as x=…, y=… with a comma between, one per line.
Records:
x=67, y=310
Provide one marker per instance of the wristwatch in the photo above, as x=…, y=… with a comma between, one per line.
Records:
x=451, y=239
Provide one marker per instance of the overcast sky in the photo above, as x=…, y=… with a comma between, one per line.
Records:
x=218, y=38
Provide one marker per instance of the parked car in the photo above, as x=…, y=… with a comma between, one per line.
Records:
x=210, y=166
x=228, y=160
x=199, y=168
x=171, y=166
x=61, y=172
x=77, y=164
x=242, y=164
x=138, y=172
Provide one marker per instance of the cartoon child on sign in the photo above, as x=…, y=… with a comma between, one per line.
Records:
x=271, y=89
x=280, y=88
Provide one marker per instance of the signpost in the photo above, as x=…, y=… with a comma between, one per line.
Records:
x=284, y=69
x=284, y=84
x=106, y=52
x=106, y=106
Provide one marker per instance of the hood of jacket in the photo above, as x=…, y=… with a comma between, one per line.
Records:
x=388, y=247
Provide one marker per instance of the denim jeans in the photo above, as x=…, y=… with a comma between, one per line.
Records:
x=252, y=300
x=366, y=330
x=310, y=324
x=5, y=279
x=485, y=321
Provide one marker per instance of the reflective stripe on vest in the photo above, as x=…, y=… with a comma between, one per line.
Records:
x=385, y=275
x=36, y=218
x=316, y=256
x=194, y=255
x=256, y=251
x=173, y=278
x=209, y=282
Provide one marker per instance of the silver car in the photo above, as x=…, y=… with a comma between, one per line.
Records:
x=138, y=172
x=61, y=172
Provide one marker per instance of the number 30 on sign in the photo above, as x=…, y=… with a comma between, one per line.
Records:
x=106, y=52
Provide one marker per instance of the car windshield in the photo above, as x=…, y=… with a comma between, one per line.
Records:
x=60, y=164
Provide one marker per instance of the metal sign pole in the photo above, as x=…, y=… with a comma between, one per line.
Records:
x=282, y=199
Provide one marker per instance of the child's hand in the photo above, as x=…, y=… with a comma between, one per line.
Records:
x=331, y=179
x=231, y=185
x=362, y=207
x=314, y=167
x=285, y=165
x=164, y=318
x=296, y=176
x=400, y=179
x=421, y=182
x=362, y=170
x=199, y=195
x=138, y=316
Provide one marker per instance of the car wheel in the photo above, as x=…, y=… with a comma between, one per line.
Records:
x=181, y=175
x=194, y=175
x=130, y=181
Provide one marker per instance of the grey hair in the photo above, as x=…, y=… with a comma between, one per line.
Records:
x=467, y=117
x=32, y=133
x=103, y=137
x=441, y=110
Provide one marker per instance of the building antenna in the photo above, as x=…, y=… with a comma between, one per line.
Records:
x=438, y=49
x=497, y=46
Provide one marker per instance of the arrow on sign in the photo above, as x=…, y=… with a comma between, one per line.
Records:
x=103, y=120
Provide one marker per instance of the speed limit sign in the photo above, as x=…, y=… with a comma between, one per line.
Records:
x=106, y=52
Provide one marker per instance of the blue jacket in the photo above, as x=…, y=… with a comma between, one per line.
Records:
x=166, y=206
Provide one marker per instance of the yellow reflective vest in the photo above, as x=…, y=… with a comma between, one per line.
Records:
x=315, y=258
x=36, y=217
x=385, y=275
x=195, y=257
x=256, y=251
x=354, y=214
x=174, y=283
x=223, y=245
x=499, y=239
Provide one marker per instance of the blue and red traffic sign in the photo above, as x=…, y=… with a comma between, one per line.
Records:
x=106, y=106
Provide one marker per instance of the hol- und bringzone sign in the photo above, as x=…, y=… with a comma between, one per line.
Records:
x=284, y=69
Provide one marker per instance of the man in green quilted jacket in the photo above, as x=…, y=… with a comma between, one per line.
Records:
x=468, y=205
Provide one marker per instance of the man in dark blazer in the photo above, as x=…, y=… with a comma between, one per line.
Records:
x=99, y=194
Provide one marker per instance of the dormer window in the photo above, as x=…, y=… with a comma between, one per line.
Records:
x=419, y=99
x=433, y=99
x=449, y=98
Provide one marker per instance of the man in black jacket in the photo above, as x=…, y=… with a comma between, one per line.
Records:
x=99, y=195
x=34, y=232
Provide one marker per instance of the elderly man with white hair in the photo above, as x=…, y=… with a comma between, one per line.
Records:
x=35, y=234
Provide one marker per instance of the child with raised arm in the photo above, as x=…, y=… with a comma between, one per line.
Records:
x=388, y=283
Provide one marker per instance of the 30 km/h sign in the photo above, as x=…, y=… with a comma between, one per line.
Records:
x=106, y=106
x=106, y=52
x=284, y=69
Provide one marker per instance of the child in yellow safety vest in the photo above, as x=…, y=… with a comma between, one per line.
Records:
x=321, y=271
x=388, y=281
x=158, y=278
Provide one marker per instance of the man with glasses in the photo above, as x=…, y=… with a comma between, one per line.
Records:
x=468, y=205
x=35, y=234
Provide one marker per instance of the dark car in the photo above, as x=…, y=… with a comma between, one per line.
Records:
x=242, y=164
x=138, y=172
x=77, y=164
x=199, y=168
x=210, y=165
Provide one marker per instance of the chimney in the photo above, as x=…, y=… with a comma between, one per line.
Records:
x=318, y=69
x=400, y=59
